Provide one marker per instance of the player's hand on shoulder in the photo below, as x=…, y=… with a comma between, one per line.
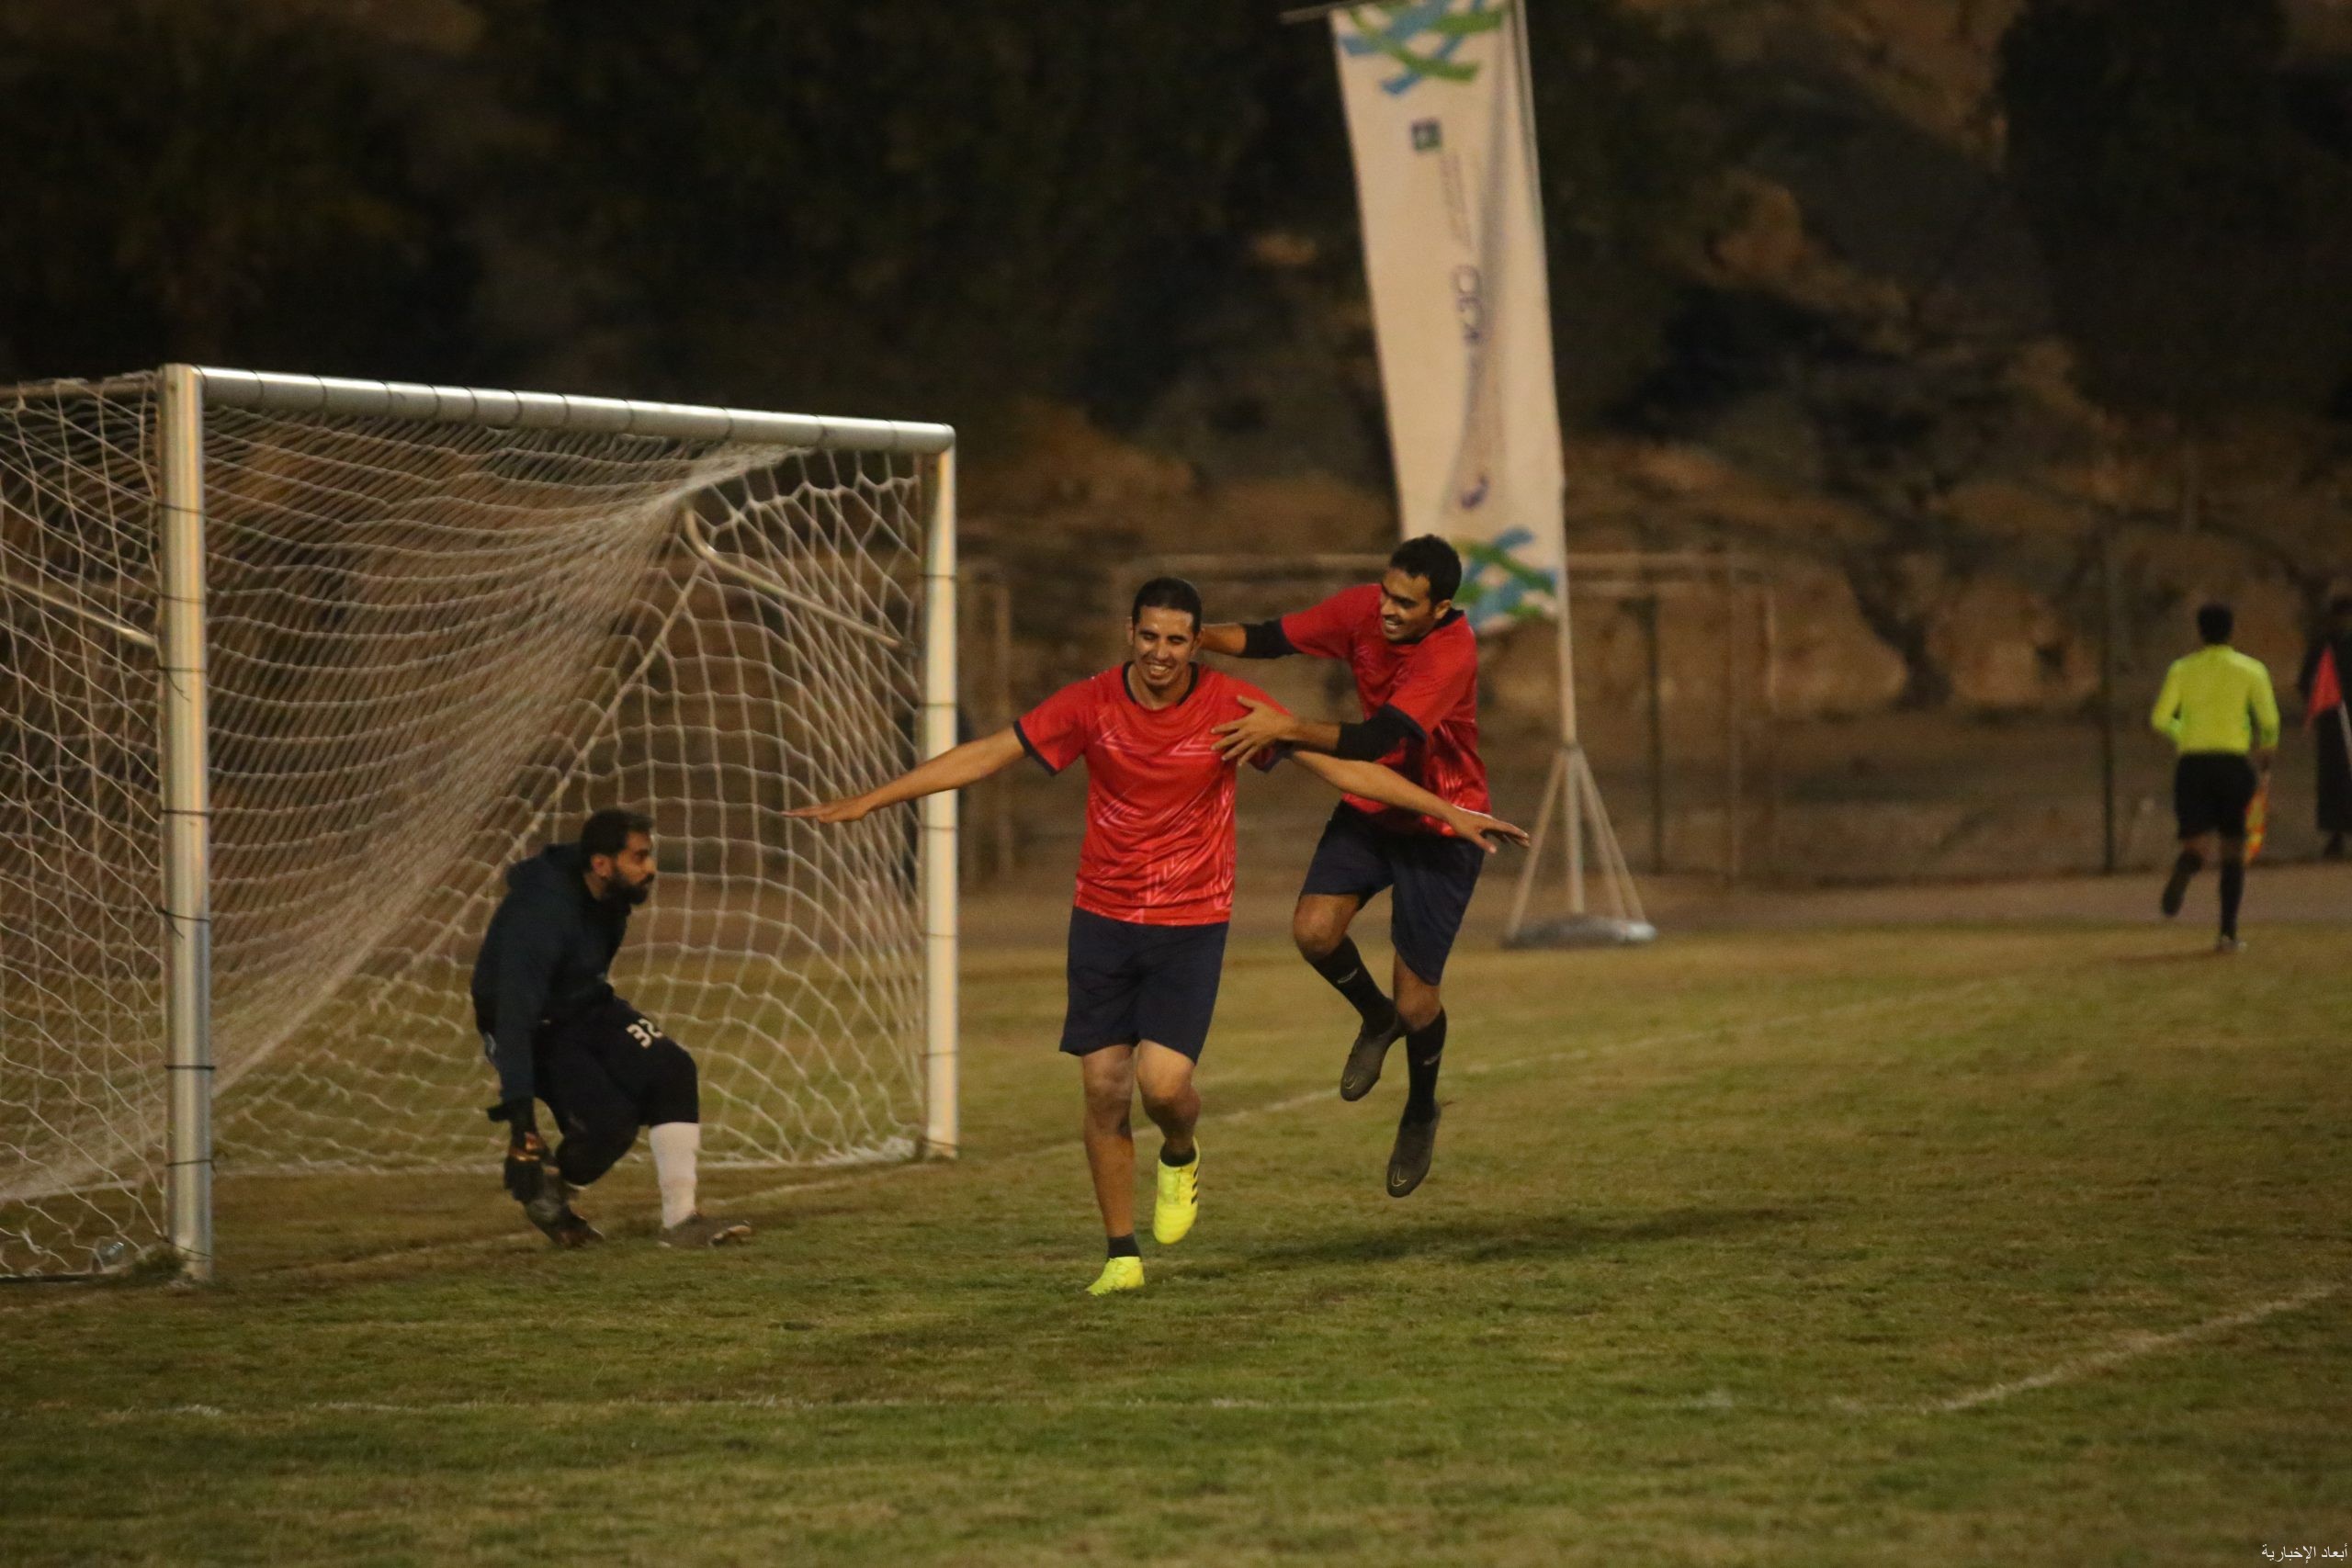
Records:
x=850, y=808
x=1262, y=725
x=1489, y=833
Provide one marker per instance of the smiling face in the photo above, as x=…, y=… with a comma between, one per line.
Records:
x=1408, y=608
x=1161, y=643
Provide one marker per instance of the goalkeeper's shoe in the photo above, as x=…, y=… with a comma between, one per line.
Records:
x=1408, y=1162
x=1118, y=1274
x=1366, y=1054
x=1178, y=1203
x=699, y=1229
x=551, y=1211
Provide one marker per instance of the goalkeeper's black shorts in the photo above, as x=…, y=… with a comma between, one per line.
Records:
x=606, y=1073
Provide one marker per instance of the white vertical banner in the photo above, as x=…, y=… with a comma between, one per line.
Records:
x=1443, y=133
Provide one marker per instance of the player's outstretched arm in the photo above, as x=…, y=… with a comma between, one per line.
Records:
x=1228, y=639
x=1385, y=785
x=966, y=764
x=1262, y=725
x=1261, y=639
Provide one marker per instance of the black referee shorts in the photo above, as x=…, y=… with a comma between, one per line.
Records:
x=2210, y=791
x=1433, y=876
x=1130, y=983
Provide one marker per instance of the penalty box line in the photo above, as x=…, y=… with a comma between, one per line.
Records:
x=2131, y=1348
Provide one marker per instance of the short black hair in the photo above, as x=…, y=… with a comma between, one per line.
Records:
x=607, y=832
x=1432, y=558
x=1167, y=593
x=2215, y=622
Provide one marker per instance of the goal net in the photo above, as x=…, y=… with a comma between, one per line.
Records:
x=439, y=628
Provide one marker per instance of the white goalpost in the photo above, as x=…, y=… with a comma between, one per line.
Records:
x=293, y=667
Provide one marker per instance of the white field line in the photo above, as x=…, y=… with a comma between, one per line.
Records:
x=665, y=1405
x=2131, y=1350
x=514, y=1240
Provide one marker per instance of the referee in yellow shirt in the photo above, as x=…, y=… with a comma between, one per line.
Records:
x=2218, y=708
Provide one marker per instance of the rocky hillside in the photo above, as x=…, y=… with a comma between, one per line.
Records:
x=1861, y=384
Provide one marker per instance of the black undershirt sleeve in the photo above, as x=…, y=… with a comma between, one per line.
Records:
x=1376, y=736
x=1264, y=639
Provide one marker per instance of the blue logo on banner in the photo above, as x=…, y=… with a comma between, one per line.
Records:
x=1392, y=33
x=1499, y=588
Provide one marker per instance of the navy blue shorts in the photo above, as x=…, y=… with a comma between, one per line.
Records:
x=1433, y=876
x=1131, y=982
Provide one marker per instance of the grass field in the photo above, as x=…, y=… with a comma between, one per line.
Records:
x=1930, y=1246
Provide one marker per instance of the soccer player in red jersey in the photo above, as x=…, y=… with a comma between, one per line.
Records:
x=1154, y=886
x=1416, y=664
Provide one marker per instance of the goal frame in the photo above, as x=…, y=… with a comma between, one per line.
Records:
x=185, y=393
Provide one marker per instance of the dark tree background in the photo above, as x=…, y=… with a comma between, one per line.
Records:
x=905, y=205
x=2197, y=240
x=931, y=207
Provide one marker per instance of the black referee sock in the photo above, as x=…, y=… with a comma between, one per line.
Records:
x=2177, y=884
x=1125, y=1247
x=2233, y=893
x=1343, y=967
x=1424, y=1054
x=1170, y=1160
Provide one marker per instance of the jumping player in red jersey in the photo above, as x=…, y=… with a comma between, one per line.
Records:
x=1415, y=663
x=1155, y=886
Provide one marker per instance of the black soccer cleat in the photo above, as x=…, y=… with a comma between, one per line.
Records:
x=1365, y=1057
x=1408, y=1162
x=699, y=1229
x=552, y=1213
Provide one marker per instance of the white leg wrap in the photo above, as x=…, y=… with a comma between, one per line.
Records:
x=675, y=1144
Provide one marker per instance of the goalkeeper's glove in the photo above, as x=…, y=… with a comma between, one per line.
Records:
x=526, y=1171
x=526, y=1174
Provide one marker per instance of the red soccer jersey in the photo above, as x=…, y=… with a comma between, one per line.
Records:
x=1433, y=683
x=1158, y=848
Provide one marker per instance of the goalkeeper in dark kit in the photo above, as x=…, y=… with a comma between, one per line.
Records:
x=555, y=1031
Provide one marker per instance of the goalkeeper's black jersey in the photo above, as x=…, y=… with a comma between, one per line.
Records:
x=543, y=960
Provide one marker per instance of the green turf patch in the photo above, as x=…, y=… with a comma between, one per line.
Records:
x=1931, y=1246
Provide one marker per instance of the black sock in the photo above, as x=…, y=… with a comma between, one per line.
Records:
x=1125, y=1247
x=2233, y=891
x=2190, y=864
x=1167, y=1158
x=1424, y=1052
x=1343, y=967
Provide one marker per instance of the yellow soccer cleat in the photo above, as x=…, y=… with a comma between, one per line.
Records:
x=1179, y=1200
x=1118, y=1274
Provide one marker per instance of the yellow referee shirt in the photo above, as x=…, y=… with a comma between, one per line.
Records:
x=2217, y=699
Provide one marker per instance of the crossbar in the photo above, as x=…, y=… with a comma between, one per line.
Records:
x=269, y=392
